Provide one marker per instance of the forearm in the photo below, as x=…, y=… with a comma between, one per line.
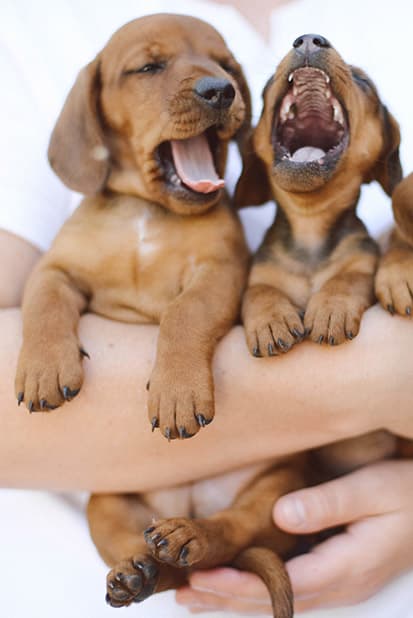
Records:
x=102, y=441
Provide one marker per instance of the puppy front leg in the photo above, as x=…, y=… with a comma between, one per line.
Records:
x=272, y=309
x=334, y=312
x=49, y=369
x=181, y=389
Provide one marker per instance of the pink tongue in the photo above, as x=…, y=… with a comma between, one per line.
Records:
x=194, y=164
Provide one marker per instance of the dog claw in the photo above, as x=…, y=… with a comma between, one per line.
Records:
x=201, y=420
x=270, y=350
x=30, y=406
x=320, y=339
x=256, y=352
x=332, y=341
x=68, y=394
x=168, y=434
x=183, y=555
x=349, y=335
x=20, y=398
x=408, y=311
x=154, y=423
x=390, y=309
x=84, y=353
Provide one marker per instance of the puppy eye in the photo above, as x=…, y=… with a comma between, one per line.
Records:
x=150, y=67
x=227, y=67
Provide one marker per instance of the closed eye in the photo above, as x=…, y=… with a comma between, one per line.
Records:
x=151, y=68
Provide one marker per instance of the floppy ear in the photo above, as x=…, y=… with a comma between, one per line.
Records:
x=402, y=203
x=77, y=151
x=253, y=187
x=388, y=169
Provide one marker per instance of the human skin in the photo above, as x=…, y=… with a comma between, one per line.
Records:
x=329, y=393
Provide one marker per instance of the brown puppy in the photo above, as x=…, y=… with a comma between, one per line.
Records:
x=323, y=132
x=394, y=280
x=144, y=133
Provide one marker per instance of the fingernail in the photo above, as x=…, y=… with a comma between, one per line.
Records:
x=292, y=511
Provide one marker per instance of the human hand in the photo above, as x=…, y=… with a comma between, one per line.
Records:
x=376, y=503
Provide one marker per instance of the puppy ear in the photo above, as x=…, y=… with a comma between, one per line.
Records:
x=402, y=203
x=388, y=169
x=253, y=187
x=77, y=151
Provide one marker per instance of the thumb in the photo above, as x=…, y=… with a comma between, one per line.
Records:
x=365, y=492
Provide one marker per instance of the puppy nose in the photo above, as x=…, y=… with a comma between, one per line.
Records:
x=310, y=43
x=215, y=91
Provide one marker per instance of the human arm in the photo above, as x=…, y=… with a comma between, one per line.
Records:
x=102, y=441
x=377, y=504
x=17, y=258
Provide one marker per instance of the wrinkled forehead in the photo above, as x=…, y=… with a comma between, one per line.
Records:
x=161, y=36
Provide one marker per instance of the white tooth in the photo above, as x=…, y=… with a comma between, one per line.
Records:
x=175, y=179
x=327, y=78
x=338, y=114
x=285, y=108
x=291, y=115
x=295, y=91
x=291, y=76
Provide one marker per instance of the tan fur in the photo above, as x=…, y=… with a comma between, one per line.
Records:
x=394, y=280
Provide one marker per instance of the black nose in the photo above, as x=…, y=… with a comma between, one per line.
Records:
x=215, y=91
x=310, y=43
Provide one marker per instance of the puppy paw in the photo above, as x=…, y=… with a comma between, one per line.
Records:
x=179, y=542
x=333, y=319
x=181, y=399
x=394, y=285
x=274, y=331
x=132, y=581
x=49, y=374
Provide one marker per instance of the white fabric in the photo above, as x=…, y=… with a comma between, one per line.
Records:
x=49, y=565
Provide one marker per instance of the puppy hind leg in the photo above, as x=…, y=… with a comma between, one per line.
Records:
x=116, y=524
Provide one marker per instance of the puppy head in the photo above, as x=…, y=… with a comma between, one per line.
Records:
x=322, y=121
x=152, y=115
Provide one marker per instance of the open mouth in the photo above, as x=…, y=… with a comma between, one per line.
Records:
x=310, y=124
x=189, y=165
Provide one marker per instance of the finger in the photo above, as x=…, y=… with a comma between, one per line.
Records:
x=198, y=601
x=230, y=582
x=372, y=490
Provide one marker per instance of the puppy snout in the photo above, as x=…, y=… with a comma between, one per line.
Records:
x=216, y=92
x=309, y=44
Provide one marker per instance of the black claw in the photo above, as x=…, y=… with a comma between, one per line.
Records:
x=183, y=434
x=145, y=532
x=84, y=353
x=168, y=434
x=43, y=404
x=297, y=334
x=301, y=314
x=183, y=555
x=68, y=394
x=350, y=335
x=154, y=423
x=20, y=397
x=162, y=543
x=332, y=341
x=320, y=339
x=281, y=344
x=390, y=309
x=107, y=599
x=270, y=348
x=148, y=384
x=30, y=406
x=408, y=311
x=256, y=352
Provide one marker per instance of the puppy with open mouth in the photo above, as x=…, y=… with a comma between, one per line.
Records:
x=144, y=135
x=323, y=133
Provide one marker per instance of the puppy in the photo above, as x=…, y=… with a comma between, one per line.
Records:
x=322, y=134
x=394, y=280
x=144, y=134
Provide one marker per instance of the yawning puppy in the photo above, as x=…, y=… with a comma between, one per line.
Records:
x=323, y=132
x=144, y=133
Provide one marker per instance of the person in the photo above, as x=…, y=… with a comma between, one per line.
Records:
x=101, y=442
